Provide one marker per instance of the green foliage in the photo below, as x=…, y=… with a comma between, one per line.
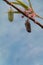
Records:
x=30, y=4
x=22, y=4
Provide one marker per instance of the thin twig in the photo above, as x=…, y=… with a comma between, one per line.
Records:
x=23, y=13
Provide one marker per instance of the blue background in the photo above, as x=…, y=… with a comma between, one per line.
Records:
x=17, y=46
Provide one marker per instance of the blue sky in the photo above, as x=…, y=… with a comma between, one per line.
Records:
x=17, y=46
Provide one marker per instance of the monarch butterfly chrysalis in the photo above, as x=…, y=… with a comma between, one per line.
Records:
x=10, y=15
x=28, y=26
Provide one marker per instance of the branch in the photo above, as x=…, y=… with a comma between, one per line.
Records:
x=36, y=22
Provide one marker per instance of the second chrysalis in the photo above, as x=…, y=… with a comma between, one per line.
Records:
x=10, y=15
x=28, y=25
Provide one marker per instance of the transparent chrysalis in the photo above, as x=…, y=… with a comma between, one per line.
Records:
x=28, y=26
x=10, y=15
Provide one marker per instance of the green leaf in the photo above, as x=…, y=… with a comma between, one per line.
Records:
x=22, y=4
x=16, y=12
x=30, y=5
x=15, y=3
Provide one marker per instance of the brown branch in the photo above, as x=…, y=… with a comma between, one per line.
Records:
x=23, y=13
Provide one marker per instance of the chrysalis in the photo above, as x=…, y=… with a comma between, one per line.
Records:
x=28, y=26
x=10, y=15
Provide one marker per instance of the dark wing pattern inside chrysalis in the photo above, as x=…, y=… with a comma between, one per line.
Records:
x=28, y=26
